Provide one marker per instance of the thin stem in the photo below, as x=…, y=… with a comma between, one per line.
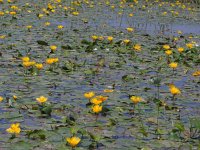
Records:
x=97, y=115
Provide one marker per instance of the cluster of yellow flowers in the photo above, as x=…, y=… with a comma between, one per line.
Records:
x=97, y=100
x=27, y=63
x=168, y=50
x=95, y=37
x=101, y=38
x=15, y=130
x=51, y=60
x=96, y=108
x=136, y=47
x=14, y=98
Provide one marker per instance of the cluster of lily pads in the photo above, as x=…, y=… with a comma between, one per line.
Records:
x=82, y=74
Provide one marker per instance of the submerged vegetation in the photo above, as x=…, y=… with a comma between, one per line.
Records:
x=99, y=74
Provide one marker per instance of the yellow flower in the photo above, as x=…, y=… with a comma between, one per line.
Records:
x=120, y=13
x=108, y=90
x=50, y=6
x=46, y=12
x=98, y=99
x=47, y=23
x=15, y=97
x=51, y=60
x=75, y=13
x=55, y=60
x=25, y=59
x=190, y=37
x=180, y=49
x=166, y=47
x=136, y=99
x=131, y=5
x=137, y=47
x=65, y=8
x=40, y=15
x=193, y=42
x=14, y=7
x=29, y=27
x=173, y=65
x=60, y=26
x=94, y=37
x=107, y=2
x=175, y=39
x=164, y=13
x=1, y=98
x=174, y=90
x=42, y=99
x=196, y=73
x=131, y=15
x=168, y=52
x=110, y=38
x=58, y=1
x=96, y=108
x=13, y=13
x=143, y=6
x=28, y=63
x=14, y=129
x=95, y=101
x=53, y=48
x=89, y=94
x=73, y=141
x=179, y=32
x=2, y=36
x=190, y=45
x=1, y=13
x=129, y=29
x=39, y=66
x=44, y=9
x=102, y=98
x=126, y=41
x=112, y=6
